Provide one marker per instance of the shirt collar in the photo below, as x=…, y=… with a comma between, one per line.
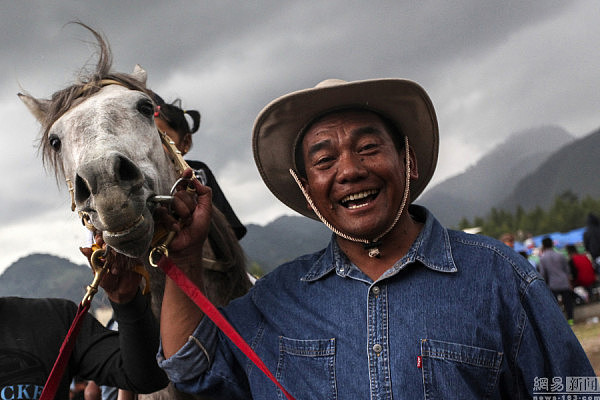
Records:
x=431, y=248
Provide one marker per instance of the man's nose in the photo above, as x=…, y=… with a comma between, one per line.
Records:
x=351, y=168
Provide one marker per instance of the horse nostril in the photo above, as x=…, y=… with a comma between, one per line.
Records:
x=82, y=191
x=126, y=170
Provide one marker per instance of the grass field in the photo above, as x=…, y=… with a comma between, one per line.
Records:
x=589, y=337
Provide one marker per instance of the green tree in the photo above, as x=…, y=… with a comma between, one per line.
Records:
x=464, y=224
x=567, y=212
x=255, y=269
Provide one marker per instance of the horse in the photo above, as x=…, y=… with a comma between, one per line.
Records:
x=99, y=136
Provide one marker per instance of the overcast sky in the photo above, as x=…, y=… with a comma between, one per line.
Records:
x=492, y=68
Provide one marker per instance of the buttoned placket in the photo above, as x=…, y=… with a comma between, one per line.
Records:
x=378, y=343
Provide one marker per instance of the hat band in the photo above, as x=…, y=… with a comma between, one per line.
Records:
x=371, y=245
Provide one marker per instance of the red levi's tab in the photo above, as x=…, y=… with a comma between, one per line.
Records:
x=419, y=362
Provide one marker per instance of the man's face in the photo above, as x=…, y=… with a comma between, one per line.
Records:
x=354, y=173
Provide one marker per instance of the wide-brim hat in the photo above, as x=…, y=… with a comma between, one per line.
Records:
x=277, y=127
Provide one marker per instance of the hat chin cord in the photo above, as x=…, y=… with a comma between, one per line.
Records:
x=371, y=245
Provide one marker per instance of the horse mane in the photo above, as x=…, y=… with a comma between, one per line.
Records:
x=87, y=84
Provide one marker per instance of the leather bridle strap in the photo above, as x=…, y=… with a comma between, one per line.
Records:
x=192, y=291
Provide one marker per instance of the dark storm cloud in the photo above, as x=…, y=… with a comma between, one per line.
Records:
x=491, y=67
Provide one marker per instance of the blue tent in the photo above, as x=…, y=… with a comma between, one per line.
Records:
x=561, y=239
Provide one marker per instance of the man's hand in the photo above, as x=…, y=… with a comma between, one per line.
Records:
x=120, y=282
x=192, y=211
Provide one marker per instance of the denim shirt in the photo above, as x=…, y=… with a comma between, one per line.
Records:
x=460, y=316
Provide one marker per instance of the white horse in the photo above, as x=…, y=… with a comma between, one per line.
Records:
x=99, y=135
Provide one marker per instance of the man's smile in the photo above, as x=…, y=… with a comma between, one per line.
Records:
x=360, y=199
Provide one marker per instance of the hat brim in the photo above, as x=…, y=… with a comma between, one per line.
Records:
x=403, y=102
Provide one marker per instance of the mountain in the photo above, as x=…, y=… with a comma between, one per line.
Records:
x=283, y=240
x=483, y=185
x=574, y=167
x=44, y=275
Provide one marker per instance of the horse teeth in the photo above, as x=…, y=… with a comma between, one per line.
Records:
x=128, y=230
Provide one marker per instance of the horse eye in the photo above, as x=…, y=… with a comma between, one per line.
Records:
x=145, y=107
x=54, y=142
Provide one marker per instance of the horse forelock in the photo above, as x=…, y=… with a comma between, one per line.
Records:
x=86, y=86
x=65, y=99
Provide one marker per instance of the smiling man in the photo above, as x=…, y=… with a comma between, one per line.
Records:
x=396, y=306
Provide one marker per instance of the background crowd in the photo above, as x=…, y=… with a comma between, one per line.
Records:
x=568, y=262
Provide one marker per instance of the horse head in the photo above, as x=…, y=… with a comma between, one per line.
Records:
x=101, y=136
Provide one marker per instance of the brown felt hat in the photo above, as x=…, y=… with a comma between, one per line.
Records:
x=278, y=125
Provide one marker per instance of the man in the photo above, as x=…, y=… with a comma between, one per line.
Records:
x=396, y=306
x=32, y=331
x=554, y=268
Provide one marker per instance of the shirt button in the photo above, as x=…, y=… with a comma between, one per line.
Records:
x=376, y=290
x=377, y=348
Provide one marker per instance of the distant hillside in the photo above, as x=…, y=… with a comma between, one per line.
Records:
x=574, y=167
x=283, y=240
x=44, y=275
x=484, y=184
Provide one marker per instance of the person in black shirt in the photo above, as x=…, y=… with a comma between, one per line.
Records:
x=32, y=331
x=179, y=125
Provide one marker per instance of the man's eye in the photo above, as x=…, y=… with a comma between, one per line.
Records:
x=368, y=146
x=323, y=160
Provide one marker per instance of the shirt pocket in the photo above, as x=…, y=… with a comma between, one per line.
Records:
x=458, y=371
x=306, y=368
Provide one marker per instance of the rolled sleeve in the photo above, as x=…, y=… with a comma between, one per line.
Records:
x=195, y=356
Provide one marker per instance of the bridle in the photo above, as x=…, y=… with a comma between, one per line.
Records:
x=160, y=240
x=163, y=239
x=171, y=149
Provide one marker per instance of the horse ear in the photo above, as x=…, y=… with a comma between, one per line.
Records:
x=38, y=107
x=140, y=74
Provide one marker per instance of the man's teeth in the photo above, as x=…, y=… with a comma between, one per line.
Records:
x=358, y=196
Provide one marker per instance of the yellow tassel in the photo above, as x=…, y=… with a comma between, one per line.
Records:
x=139, y=268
